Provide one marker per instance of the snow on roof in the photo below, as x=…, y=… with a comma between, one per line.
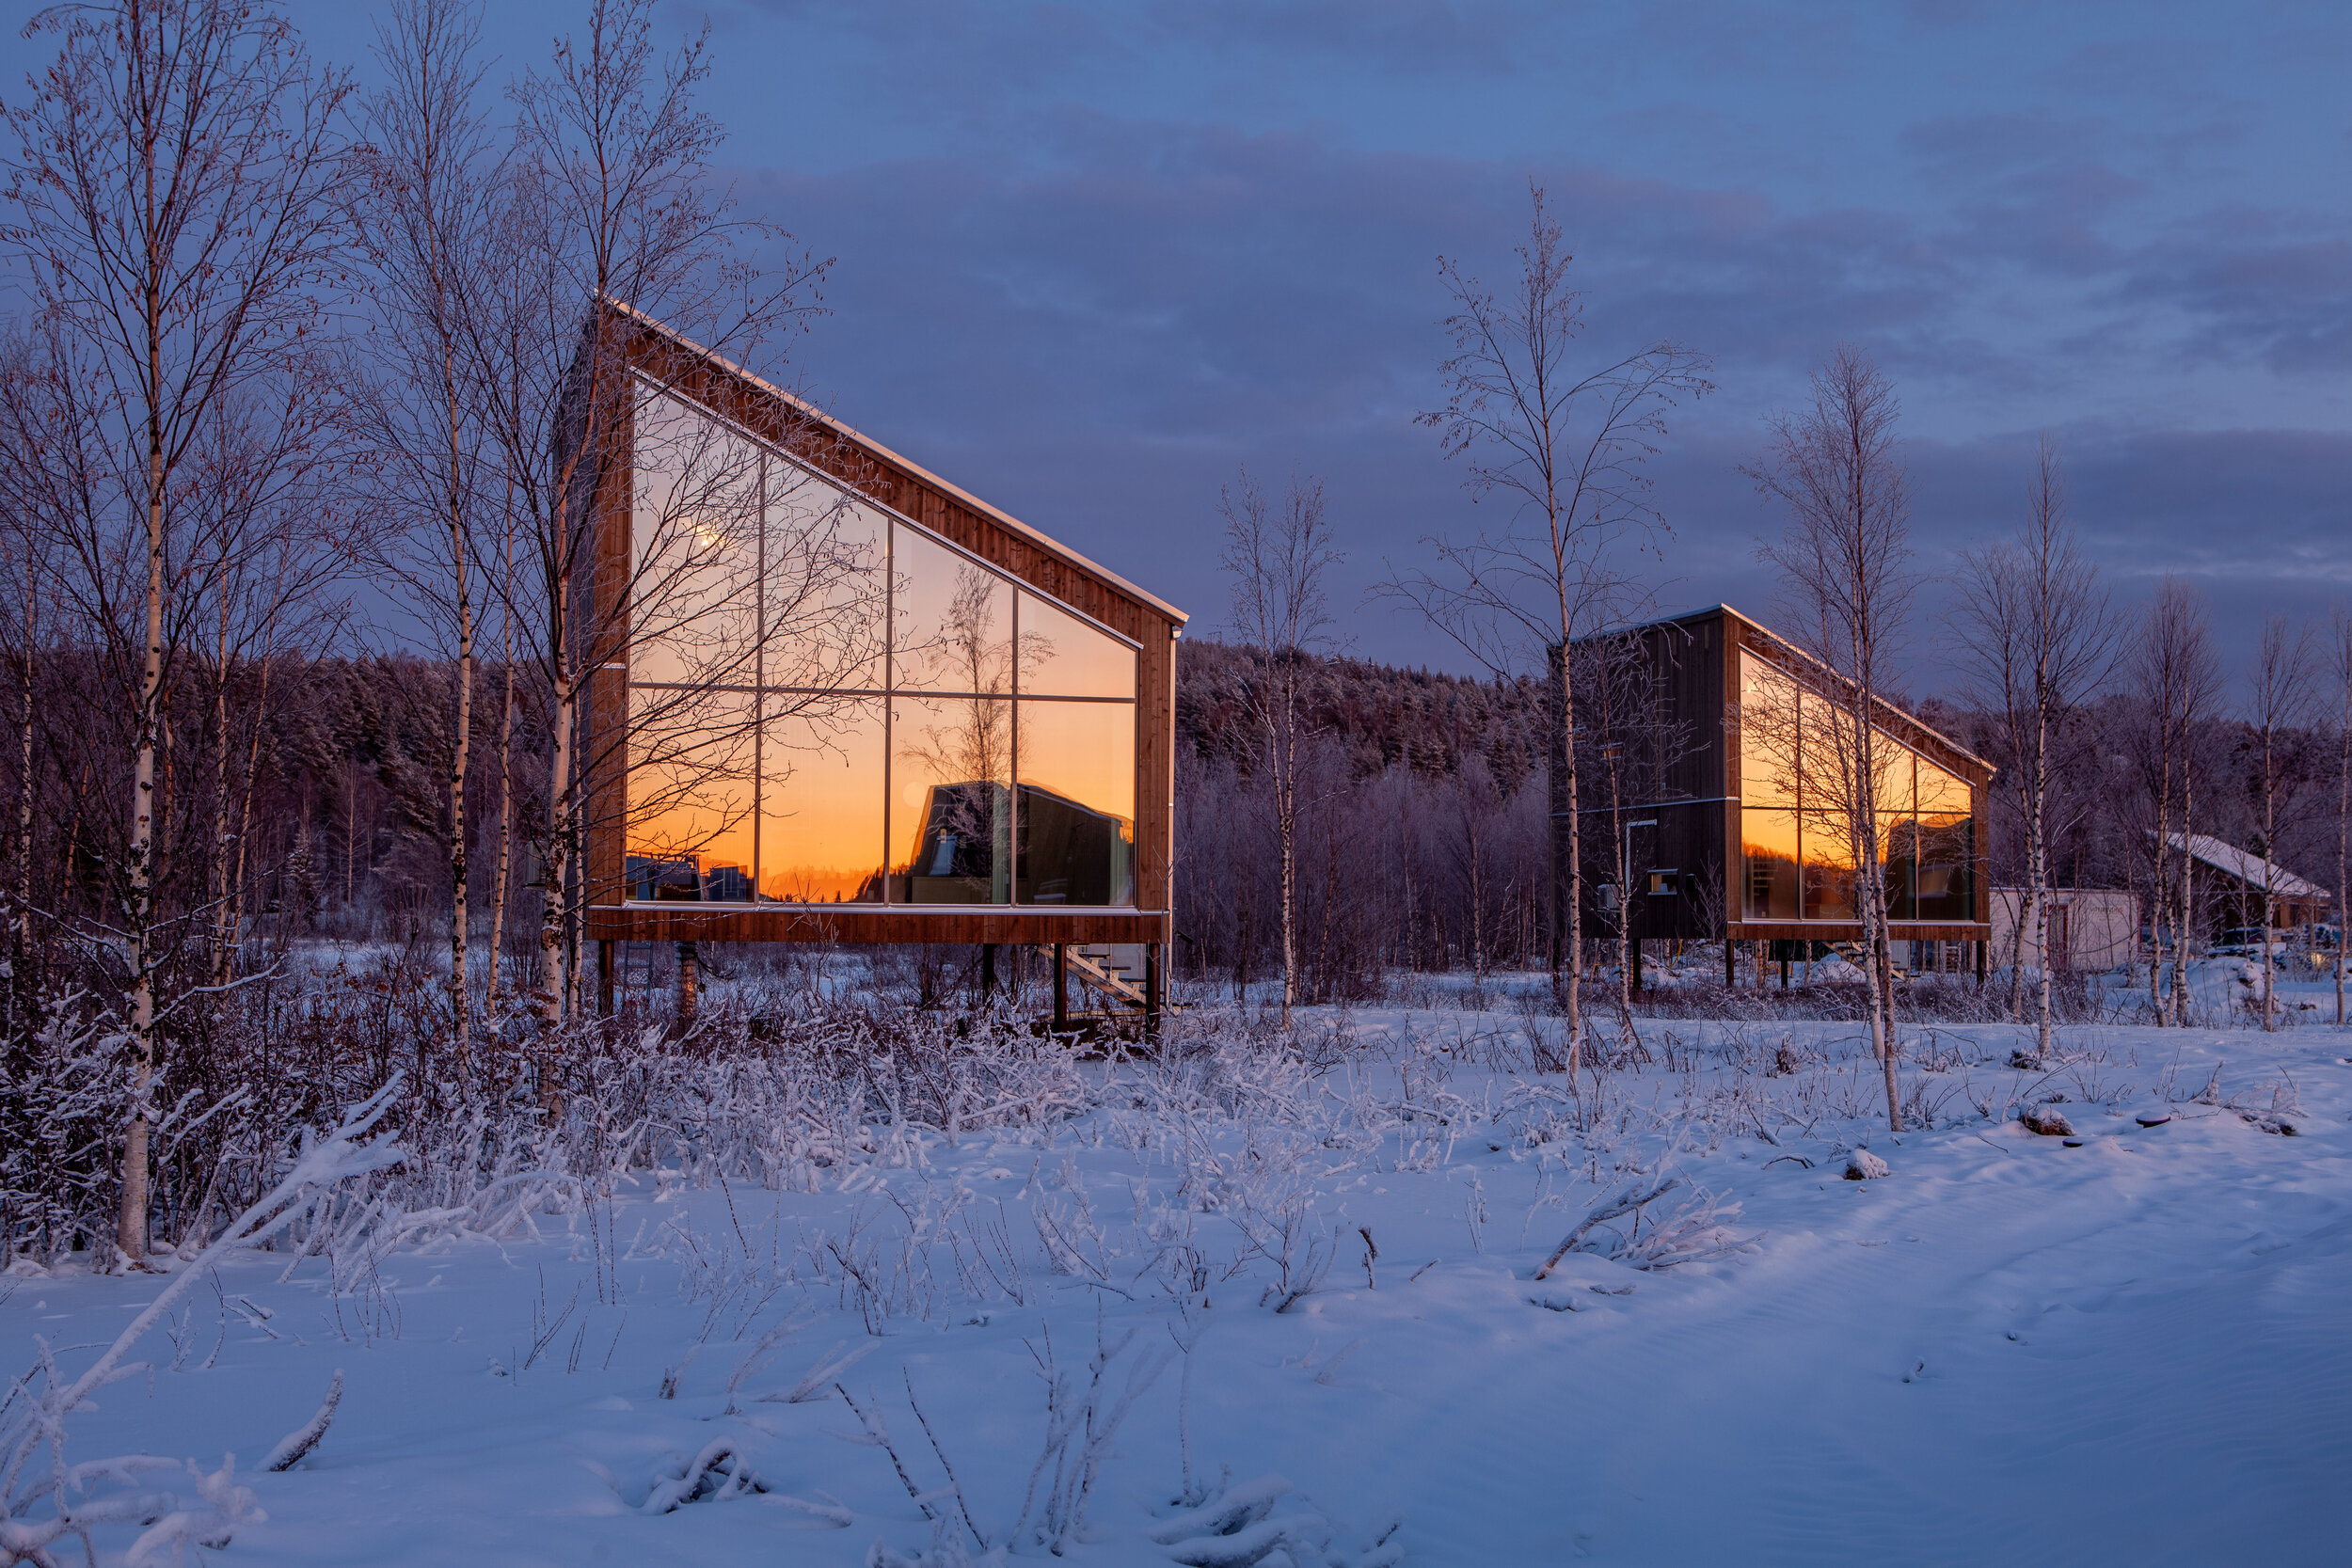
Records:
x=2251, y=869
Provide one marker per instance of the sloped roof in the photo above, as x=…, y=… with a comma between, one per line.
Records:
x=807, y=410
x=1888, y=705
x=2248, y=868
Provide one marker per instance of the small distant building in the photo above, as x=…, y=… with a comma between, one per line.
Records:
x=2236, y=877
x=1750, y=829
x=2090, y=929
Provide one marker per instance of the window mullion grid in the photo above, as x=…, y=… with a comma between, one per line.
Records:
x=1012, y=780
x=890, y=676
x=759, y=686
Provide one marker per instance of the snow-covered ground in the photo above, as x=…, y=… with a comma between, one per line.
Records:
x=2132, y=1348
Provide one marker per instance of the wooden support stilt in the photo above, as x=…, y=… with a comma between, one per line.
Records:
x=1061, y=987
x=988, y=971
x=1155, y=977
x=689, y=982
x=604, y=978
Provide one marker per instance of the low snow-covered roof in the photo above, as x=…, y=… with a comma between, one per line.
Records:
x=2251, y=869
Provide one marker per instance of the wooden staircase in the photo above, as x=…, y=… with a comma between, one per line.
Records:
x=1114, y=971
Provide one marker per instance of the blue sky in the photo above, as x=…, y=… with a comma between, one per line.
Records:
x=1094, y=258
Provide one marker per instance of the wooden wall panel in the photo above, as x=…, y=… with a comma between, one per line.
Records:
x=1836, y=930
x=1156, y=773
x=861, y=924
x=604, y=732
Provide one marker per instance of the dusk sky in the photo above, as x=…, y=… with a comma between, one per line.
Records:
x=1092, y=259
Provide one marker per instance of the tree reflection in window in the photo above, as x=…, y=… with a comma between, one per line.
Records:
x=1804, y=804
x=1077, y=804
x=951, y=800
x=866, y=748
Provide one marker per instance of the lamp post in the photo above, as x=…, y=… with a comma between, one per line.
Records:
x=1624, y=902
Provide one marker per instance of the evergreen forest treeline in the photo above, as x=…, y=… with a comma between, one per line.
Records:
x=1424, y=848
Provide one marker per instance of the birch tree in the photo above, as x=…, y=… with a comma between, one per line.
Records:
x=1847, y=583
x=2340, y=657
x=2039, y=636
x=612, y=201
x=427, y=219
x=1278, y=558
x=1565, y=446
x=176, y=223
x=2175, y=675
x=2279, y=693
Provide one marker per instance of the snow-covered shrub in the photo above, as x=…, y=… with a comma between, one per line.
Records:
x=66, y=1092
x=45, y=1497
x=1083, y=1415
x=1240, y=1526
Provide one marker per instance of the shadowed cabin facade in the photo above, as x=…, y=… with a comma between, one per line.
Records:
x=837, y=698
x=1745, y=823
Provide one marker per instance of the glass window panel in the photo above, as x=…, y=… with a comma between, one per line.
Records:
x=692, y=767
x=1077, y=826
x=1063, y=657
x=1768, y=842
x=1946, y=875
x=1901, y=854
x=950, y=801
x=952, y=620
x=821, y=800
x=1941, y=794
x=1768, y=735
x=693, y=589
x=1829, y=873
x=825, y=593
x=1825, y=812
x=1895, y=823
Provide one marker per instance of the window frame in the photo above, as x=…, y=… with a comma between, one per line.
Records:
x=1795, y=807
x=888, y=692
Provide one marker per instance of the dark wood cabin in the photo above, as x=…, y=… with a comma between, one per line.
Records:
x=1710, y=771
x=838, y=699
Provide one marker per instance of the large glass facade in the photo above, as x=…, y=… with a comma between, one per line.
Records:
x=831, y=705
x=1800, y=784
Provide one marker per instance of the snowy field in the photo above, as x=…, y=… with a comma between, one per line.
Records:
x=1139, y=1318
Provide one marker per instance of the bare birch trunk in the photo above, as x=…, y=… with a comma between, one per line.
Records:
x=1567, y=857
x=1874, y=872
x=2343, y=802
x=2270, y=912
x=2188, y=897
x=25, y=769
x=2159, y=892
x=2038, y=864
x=130, y=1215
x=461, y=748
x=1286, y=827
x=554, y=995
x=506, y=815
